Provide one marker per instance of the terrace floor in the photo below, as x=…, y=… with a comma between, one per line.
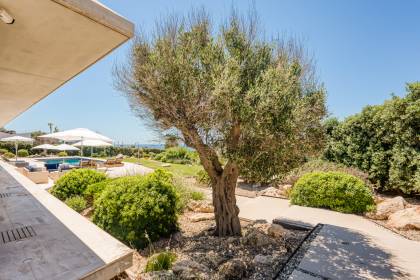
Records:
x=41, y=238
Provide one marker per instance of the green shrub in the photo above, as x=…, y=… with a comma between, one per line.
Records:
x=75, y=182
x=3, y=151
x=160, y=261
x=180, y=155
x=9, y=155
x=202, y=177
x=93, y=191
x=318, y=165
x=23, y=153
x=62, y=154
x=382, y=140
x=197, y=195
x=129, y=207
x=77, y=203
x=334, y=190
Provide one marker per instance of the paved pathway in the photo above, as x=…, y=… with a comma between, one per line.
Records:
x=397, y=255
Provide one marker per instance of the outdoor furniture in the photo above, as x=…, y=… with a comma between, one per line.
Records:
x=113, y=162
x=21, y=163
x=38, y=175
x=88, y=163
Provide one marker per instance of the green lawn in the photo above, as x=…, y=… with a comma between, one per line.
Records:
x=182, y=170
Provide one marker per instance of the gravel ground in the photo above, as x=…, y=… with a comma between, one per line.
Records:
x=195, y=242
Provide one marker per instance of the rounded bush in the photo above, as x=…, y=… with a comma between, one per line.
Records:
x=77, y=203
x=160, y=261
x=23, y=153
x=135, y=208
x=75, y=182
x=333, y=190
x=9, y=155
x=62, y=154
x=3, y=151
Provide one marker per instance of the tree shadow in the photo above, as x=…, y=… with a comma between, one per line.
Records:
x=341, y=253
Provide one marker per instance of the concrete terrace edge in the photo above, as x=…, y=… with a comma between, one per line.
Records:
x=117, y=256
x=100, y=14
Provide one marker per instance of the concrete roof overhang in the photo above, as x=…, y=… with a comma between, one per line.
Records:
x=50, y=42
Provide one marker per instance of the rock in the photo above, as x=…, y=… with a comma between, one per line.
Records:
x=159, y=275
x=87, y=212
x=285, y=190
x=387, y=207
x=272, y=191
x=261, y=225
x=262, y=259
x=200, y=206
x=405, y=219
x=233, y=269
x=198, y=217
x=188, y=269
x=256, y=238
x=276, y=231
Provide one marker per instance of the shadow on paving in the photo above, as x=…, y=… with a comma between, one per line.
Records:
x=341, y=253
x=49, y=250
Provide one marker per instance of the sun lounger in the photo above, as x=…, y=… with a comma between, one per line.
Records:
x=113, y=162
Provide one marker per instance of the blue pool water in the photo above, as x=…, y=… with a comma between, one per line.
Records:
x=53, y=163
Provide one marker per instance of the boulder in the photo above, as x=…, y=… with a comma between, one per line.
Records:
x=200, y=206
x=256, y=238
x=198, y=217
x=263, y=260
x=233, y=269
x=188, y=269
x=387, y=207
x=272, y=191
x=276, y=231
x=405, y=219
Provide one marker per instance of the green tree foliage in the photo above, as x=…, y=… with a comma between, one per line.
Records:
x=231, y=95
x=136, y=208
x=334, y=190
x=384, y=141
x=75, y=182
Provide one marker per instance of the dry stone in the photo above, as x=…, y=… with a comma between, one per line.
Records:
x=405, y=219
x=387, y=207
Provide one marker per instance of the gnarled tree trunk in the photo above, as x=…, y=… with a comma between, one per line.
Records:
x=225, y=209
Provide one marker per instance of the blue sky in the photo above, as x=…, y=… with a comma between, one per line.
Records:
x=365, y=50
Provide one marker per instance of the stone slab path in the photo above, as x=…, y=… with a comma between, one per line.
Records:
x=350, y=247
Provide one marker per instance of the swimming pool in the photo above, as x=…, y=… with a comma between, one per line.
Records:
x=53, y=163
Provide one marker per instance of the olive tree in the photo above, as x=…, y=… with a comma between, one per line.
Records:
x=232, y=95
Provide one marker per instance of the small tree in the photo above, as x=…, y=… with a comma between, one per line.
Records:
x=231, y=95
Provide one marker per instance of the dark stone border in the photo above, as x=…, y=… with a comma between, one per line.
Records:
x=294, y=259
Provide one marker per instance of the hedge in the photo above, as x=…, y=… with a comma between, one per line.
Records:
x=333, y=190
x=382, y=140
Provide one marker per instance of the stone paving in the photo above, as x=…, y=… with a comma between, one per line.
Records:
x=41, y=238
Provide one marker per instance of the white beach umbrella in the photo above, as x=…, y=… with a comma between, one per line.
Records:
x=92, y=143
x=77, y=134
x=17, y=140
x=66, y=147
x=45, y=147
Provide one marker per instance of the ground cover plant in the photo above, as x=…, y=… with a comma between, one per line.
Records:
x=75, y=182
x=231, y=95
x=382, y=140
x=160, y=261
x=136, y=208
x=333, y=190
